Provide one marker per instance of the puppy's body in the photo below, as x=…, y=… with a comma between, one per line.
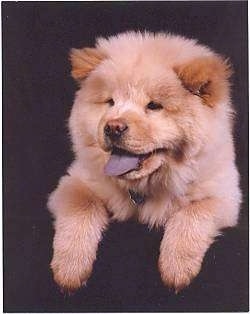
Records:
x=183, y=144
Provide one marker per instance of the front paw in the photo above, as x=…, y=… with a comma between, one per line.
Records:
x=178, y=270
x=70, y=273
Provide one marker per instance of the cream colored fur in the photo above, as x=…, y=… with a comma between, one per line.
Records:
x=192, y=196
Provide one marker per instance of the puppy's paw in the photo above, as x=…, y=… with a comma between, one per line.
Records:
x=70, y=273
x=178, y=271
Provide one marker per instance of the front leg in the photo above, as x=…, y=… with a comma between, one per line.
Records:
x=188, y=235
x=80, y=219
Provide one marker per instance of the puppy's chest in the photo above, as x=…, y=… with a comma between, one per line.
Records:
x=154, y=211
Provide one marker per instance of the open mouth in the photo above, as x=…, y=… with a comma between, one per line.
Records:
x=122, y=162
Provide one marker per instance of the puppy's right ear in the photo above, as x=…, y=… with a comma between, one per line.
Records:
x=84, y=61
x=206, y=77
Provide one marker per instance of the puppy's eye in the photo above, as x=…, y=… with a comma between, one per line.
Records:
x=154, y=106
x=111, y=102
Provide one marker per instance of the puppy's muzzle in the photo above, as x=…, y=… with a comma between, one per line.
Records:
x=115, y=129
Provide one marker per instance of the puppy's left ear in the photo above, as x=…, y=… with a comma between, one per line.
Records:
x=206, y=77
x=84, y=61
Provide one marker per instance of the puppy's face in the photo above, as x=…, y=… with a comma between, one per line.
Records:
x=145, y=114
x=139, y=125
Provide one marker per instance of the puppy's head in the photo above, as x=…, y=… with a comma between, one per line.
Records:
x=146, y=101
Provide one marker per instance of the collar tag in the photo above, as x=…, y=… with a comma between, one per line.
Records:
x=136, y=198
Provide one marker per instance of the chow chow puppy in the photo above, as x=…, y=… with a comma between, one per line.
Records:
x=151, y=128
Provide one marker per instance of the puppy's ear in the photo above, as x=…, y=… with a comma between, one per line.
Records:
x=84, y=61
x=206, y=77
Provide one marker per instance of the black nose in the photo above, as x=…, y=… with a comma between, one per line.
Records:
x=115, y=128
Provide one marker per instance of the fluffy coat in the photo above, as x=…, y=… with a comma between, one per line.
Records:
x=189, y=180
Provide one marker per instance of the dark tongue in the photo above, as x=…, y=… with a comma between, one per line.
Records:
x=119, y=164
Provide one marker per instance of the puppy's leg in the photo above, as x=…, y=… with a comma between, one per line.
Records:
x=80, y=219
x=188, y=235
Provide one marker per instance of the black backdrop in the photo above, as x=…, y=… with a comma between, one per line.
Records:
x=37, y=97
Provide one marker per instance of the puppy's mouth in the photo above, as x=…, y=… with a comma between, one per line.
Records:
x=122, y=161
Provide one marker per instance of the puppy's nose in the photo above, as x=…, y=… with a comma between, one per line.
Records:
x=115, y=128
